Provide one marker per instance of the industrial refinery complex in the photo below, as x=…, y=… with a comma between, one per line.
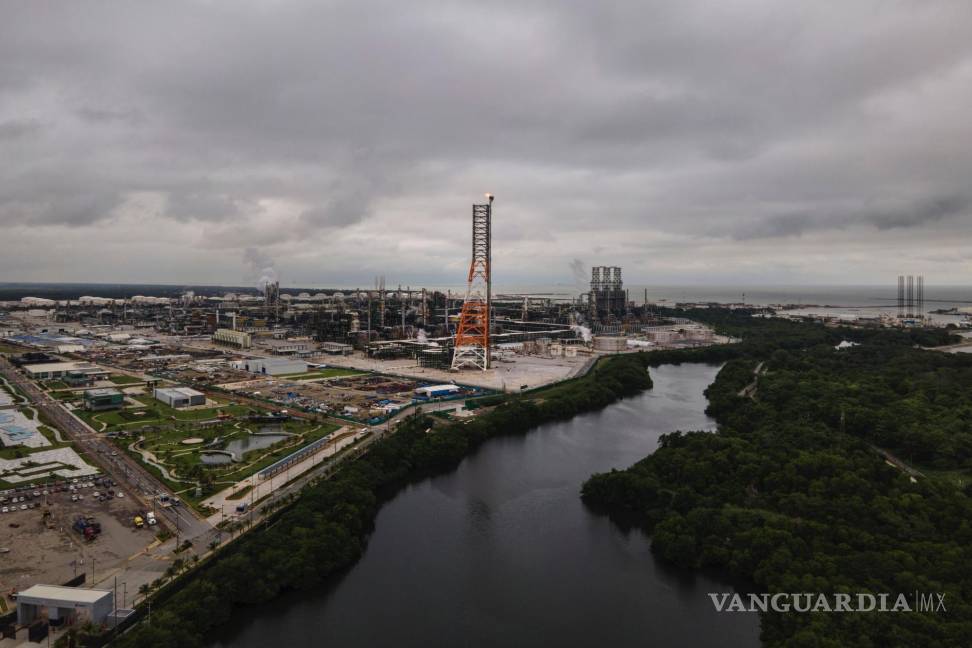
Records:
x=138, y=434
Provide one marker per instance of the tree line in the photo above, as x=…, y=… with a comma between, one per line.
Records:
x=791, y=494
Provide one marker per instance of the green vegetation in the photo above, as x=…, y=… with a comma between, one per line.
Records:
x=14, y=452
x=791, y=492
x=124, y=379
x=326, y=529
x=184, y=462
x=156, y=412
x=166, y=444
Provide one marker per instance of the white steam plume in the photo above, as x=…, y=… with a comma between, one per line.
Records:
x=262, y=271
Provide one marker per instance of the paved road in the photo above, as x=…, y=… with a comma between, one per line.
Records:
x=749, y=391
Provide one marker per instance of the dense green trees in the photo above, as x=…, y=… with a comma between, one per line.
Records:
x=791, y=494
x=327, y=528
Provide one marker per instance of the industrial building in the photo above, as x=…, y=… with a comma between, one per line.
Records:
x=607, y=297
x=337, y=348
x=436, y=391
x=68, y=603
x=239, y=339
x=287, y=347
x=50, y=370
x=273, y=366
x=97, y=400
x=179, y=397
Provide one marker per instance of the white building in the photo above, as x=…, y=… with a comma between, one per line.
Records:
x=64, y=602
x=240, y=339
x=433, y=391
x=59, y=369
x=179, y=397
x=274, y=366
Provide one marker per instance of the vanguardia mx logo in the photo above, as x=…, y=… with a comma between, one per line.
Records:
x=927, y=602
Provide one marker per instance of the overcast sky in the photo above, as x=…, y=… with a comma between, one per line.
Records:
x=751, y=141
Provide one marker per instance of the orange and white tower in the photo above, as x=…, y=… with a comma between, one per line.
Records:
x=472, y=335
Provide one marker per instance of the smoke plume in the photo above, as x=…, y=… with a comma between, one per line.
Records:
x=579, y=272
x=583, y=331
x=261, y=267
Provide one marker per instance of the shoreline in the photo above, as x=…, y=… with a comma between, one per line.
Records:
x=398, y=459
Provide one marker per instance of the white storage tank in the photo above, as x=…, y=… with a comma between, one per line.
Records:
x=610, y=343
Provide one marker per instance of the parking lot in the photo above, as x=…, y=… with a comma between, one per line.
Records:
x=41, y=542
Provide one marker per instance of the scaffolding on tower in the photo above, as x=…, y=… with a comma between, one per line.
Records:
x=472, y=334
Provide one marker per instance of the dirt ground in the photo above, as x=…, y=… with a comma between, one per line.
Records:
x=52, y=552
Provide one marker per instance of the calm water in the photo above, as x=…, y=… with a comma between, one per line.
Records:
x=241, y=445
x=502, y=552
x=244, y=444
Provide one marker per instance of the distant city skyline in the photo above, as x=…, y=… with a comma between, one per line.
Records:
x=690, y=143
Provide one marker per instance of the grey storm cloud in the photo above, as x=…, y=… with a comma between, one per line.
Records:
x=13, y=129
x=916, y=215
x=610, y=131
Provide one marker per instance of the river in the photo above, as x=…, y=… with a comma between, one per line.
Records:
x=502, y=552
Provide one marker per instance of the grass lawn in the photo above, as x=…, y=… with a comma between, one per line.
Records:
x=156, y=412
x=122, y=379
x=15, y=452
x=185, y=461
x=6, y=348
x=55, y=384
x=329, y=372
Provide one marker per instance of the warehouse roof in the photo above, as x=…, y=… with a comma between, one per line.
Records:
x=60, y=366
x=434, y=388
x=105, y=391
x=61, y=594
x=178, y=391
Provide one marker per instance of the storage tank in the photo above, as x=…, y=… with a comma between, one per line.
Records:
x=610, y=343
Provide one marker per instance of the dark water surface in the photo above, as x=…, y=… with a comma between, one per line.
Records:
x=501, y=552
